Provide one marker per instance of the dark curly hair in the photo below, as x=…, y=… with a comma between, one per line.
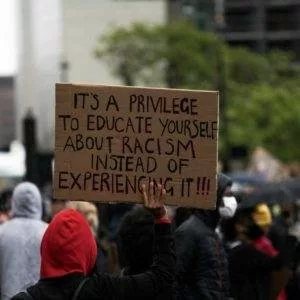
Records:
x=135, y=238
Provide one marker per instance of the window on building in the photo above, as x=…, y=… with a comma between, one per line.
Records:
x=282, y=18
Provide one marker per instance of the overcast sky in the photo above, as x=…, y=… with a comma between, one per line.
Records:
x=8, y=50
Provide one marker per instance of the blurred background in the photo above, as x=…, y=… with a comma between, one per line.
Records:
x=249, y=50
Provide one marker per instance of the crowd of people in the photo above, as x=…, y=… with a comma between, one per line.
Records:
x=149, y=251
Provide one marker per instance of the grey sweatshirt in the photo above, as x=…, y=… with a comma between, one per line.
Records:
x=20, y=240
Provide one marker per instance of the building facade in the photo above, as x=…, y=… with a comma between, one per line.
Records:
x=84, y=22
x=260, y=25
x=56, y=43
x=263, y=25
x=39, y=51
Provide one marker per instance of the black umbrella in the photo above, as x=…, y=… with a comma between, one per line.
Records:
x=247, y=179
x=272, y=193
x=292, y=185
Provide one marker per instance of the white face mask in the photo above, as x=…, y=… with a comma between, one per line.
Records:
x=228, y=210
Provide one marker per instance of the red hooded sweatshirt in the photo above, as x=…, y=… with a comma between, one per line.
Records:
x=69, y=251
x=264, y=244
x=68, y=246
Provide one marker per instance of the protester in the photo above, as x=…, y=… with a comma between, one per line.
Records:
x=201, y=260
x=135, y=239
x=279, y=229
x=226, y=211
x=5, y=205
x=181, y=215
x=69, y=254
x=229, y=234
x=280, y=237
x=20, y=239
x=262, y=217
x=251, y=269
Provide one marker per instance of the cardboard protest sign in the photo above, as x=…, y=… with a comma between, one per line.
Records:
x=109, y=140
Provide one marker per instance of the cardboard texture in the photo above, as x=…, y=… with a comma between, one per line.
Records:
x=111, y=139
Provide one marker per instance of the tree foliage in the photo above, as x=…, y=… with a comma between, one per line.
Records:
x=145, y=55
x=262, y=91
x=266, y=115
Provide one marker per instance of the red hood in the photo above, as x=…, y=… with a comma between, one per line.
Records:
x=68, y=246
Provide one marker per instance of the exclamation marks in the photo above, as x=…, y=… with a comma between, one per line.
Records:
x=207, y=186
x=203, y=185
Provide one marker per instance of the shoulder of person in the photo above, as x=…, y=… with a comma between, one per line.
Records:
x=22, y=296
x=200, y=228
x=188, y=224
x=193, y=228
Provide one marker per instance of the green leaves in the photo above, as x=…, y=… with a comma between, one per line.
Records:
x=262, y=91
x=247, y=67
x=130, y=53
x=266, y=115
x=144, y=55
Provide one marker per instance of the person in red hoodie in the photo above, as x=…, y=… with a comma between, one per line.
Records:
x=262, y=217
x=68, y=257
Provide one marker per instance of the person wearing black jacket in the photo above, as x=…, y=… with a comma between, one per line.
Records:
x=69, y=253
x=252, y=272
x=249, y=270
x=135, y=239
x=201, y=268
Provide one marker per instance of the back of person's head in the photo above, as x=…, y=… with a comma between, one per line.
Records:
x=68, y=246
x=135, y=240
x=26, y=201
x=181, y=215
x=246, y=226
x=90, y=212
